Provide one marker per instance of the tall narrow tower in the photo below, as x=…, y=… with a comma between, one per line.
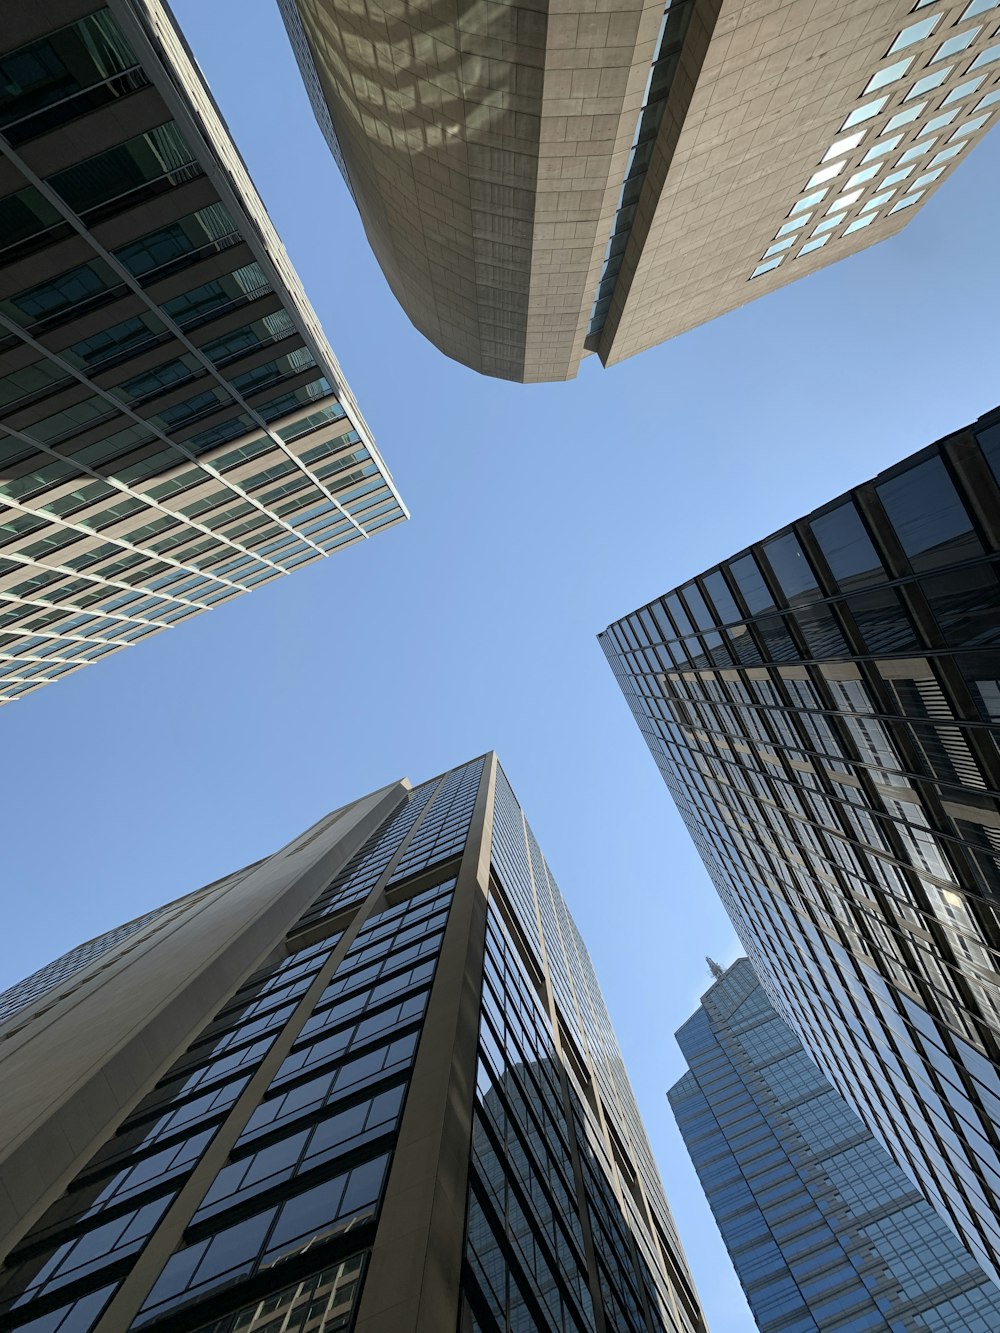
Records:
x=366, y=1083
x=825, y=1231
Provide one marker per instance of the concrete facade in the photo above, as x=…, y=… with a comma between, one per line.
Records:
x=399, y=983
x=492, y=150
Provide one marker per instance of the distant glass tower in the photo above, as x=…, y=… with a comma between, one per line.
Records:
x=825, y=1231
x=175, y=429
x=825, y=710
x=367, y=1082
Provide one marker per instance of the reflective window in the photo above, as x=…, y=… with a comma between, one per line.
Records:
x=848, y=549
x=791, y=569
x=751, y=584
x=71, y=71
x=989, y=442
x=863, y=113
x=966, y=604
x=183, y=242
x=891, y=74
x=118, y=177
x=930, y=520
x=880, y=616
x=722, y=598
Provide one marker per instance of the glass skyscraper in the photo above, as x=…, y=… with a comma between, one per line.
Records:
x=825, y=710
x=825, y=1231
x=367, y=1082
x=174, y=427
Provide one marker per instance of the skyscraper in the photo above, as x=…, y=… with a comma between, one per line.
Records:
x=175, y=427
x=540, y=181
x=825, y=710
x=368, y=1082
x=825, y=1231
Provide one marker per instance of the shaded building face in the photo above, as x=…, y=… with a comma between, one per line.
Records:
x=538, y=183
x=174, y=427
x=824, y=710
x=824, y=1229
x=368, y=1082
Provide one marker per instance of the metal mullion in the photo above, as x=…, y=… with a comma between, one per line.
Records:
x=227, y=186
x=35, y=563
x=80, y=227
x=55, y=452
x=80, y=610
x=118, y=541
x=70, y=636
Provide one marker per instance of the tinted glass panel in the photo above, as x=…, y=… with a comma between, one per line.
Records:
x=848, y=549
x=696, y=605
x=681, y=620
x=989, y=442
x=821, y=632
x=930, y=520
x=723, y=599
x=882, y=620
x=751, y=584
x=791, y=568
x=967, y=606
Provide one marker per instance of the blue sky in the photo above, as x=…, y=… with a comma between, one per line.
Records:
x=540, y=513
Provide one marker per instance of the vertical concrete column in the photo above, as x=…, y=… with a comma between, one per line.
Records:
x=413, y=1280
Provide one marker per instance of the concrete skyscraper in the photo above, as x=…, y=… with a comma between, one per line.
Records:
x=824, y=1229
x=174, y=427
x=543, y=180
x=825, y=710
x=368, y=1082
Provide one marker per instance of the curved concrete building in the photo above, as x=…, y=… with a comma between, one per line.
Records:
x=544, y=180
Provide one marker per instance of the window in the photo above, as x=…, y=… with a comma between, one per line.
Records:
x=813, y=245
x=916, y=32
x=891, y=74
x=929, y=518
x=826, y=173
x=791, y=569
x=904, y=117
x=70, y=292
x=955, y=44
x=963, y=90
x=987, y=57
x=27, y=222
x=858, y=223
x=881, y=148
x=928, y=82
x=848, y=549
x=182, y=243
x=751, y=584
x=116, y=343
x=907, y=202
x=844, y=145
x=863, y=113
x=865, y=174
x=73, y=70
x=116, y=178
x=767, y=266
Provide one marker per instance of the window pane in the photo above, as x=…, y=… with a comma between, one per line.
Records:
x=930, y=520
x=751, y=584
x=842, y=538
x=725, y=603
x=791, y=569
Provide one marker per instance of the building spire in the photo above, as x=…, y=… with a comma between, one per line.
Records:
x=713, y=967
